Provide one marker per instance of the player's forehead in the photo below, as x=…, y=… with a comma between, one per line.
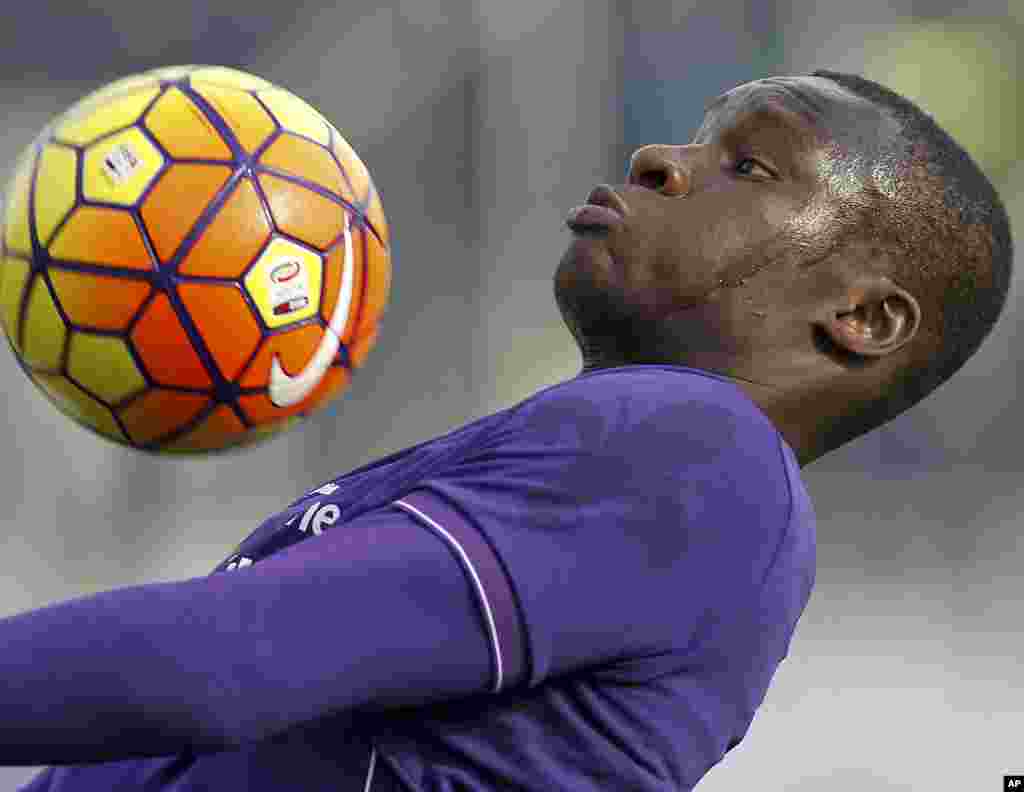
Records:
x=813, y=105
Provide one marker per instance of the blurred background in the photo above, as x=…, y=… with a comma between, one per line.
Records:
x=482, y=122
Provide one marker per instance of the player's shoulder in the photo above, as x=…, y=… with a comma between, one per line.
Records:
x=655, y=416
x=647, y=393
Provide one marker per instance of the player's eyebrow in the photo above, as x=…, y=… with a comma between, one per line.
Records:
x=762, y=110
x=760, y=119
x=770, y=110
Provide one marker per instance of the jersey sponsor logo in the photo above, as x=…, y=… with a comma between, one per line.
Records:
x=238, y=562
x=318, y=517
x=285, y=390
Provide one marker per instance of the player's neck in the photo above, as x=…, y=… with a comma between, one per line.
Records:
x=799, y=417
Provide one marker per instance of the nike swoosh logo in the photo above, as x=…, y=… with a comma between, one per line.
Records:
x=284, y=390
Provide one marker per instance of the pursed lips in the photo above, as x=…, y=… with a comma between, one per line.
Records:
x=603, y=211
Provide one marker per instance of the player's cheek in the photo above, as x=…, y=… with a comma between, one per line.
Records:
x=682, y=265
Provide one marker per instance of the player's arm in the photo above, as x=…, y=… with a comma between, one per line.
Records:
x=377, y=612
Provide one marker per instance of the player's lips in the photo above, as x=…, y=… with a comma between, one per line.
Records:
x=603, y=211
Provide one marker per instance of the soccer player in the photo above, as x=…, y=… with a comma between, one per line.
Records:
x=590, y=590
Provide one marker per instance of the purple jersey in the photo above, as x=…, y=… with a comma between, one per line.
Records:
x=590, y=590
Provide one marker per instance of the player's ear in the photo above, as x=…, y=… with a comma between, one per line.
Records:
x=878, y=318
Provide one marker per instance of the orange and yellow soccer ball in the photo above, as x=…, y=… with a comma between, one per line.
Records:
x=192, y=259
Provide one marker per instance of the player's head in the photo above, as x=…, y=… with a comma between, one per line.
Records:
x=822, y=241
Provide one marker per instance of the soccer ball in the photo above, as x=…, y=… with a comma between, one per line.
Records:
x=192, y=259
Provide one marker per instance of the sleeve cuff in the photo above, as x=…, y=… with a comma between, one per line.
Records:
x=490, y=584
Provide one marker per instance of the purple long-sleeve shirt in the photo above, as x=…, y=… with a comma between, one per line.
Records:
x=590, y=590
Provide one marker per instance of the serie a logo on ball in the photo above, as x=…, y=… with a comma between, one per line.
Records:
x=193, y=259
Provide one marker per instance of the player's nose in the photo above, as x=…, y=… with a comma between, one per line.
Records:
x=660, y=168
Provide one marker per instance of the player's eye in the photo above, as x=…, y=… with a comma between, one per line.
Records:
x=742, y=168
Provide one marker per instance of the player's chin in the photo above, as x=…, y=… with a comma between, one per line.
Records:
x=592, y=254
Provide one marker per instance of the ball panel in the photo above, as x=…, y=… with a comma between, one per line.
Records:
x=98, y=235
x=13, y=278
x=355, y=170
x=231, y=78
x=260, y=410
x=302, y=213
x=217, y=430
x=78, y=405
x=230, y=243
x=17, y=236
x=284, y=283
x=118, y=169
x=224, y=321
x=183, y=130
x=346, y=193
x=178, y=200
x=241, y=112
x=293, y=348
x=44, y=331
x=55, y=189
x=125, y=85
x=103, y=302
x=165, y=349
x=104, y=365
x=298, y=157
x=378, y=284
x=111, y=109
x=159, y=412
x=295, y=115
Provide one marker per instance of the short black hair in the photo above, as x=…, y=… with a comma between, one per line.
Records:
x=953, y=235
